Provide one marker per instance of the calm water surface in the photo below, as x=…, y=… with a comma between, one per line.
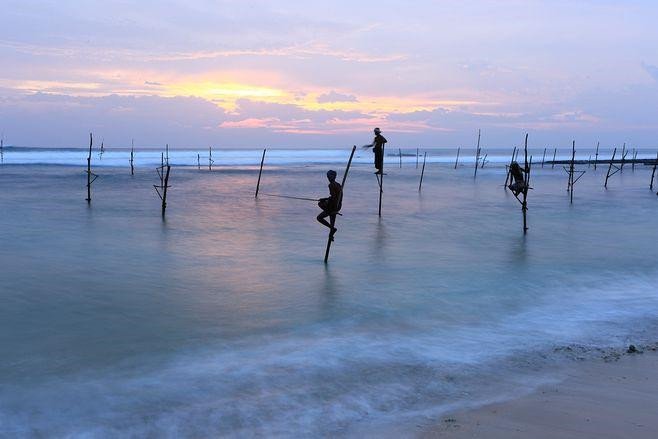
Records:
x=223, y=320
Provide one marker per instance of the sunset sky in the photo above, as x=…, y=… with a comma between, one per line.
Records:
x=195, y=73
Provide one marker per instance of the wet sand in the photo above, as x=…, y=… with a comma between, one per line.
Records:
x=599, y=399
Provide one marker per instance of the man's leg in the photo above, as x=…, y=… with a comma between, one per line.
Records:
x=321, y=219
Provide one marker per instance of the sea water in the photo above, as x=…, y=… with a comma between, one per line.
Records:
x=223, y=320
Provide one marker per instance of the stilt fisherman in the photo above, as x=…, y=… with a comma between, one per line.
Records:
x=331, y=206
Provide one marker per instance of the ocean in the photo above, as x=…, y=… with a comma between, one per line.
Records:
x=223, y=320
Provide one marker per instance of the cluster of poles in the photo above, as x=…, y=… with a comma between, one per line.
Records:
x=615, y=165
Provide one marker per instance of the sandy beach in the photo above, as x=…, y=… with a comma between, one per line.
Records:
x=612, y=398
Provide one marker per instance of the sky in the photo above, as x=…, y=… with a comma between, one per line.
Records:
x=223, y=73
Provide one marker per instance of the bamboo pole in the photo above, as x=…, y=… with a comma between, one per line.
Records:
x=332, y=219
x=543, y=158
x=607, y=175
x=477, y=156
x=554, y=155
x=164, y=190
x=132, y=157
x=484, y=160
x=162, y=165
x=653, y=173
x=89, y=181
x=2, y=149
x=198, y=161
x=507, y=180
x=571, y=171
x=420, y=185
x=596, y=156
x=524, y=204
x=210, y=160
x=262, y=160
x=381, y=180
x=457, y=159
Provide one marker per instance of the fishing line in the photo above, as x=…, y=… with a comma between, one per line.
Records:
x=291, y=197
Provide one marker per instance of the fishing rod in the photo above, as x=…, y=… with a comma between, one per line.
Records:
x=292, y=198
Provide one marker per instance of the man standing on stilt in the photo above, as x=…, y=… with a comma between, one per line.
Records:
x=378, y=148
x=331, y=206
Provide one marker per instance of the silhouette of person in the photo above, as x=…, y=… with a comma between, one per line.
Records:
x=518, y=185
x=331, y=206
x=377, y=146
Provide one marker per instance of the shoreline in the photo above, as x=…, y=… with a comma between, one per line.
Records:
x=611, y=397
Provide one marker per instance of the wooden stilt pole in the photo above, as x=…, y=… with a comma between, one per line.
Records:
x=524, y=204
x=653, y=173
x=162, y=165
x=381, y=181
x=260, y=172
x=608, y=174
x=89, y=180
x=332, y=219
x=554, y=155
x=507, y=180
x=417, y=158
x=422, y=172
x=2, y=149
x=484, y=160
x=132, y=157
x=623, y=158
x=198, y=161
x=543, y=158
x=477, y=156
x=571, y=171
x=457, y=159
x=400, y=153
x=164, y=191
x=596, y=156
x=210, y=160
x=167, y=154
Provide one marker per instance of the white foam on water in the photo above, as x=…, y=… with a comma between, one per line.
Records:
x=325, y=380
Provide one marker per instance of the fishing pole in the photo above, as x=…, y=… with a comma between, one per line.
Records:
x=293, y=198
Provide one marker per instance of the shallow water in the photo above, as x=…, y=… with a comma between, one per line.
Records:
x=224, y=320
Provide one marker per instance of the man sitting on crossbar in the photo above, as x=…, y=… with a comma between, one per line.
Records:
x=331, y=206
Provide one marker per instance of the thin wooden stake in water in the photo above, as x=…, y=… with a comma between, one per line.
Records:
x=262, y=160
x=571, y=171
x=524, y=204
x=653, y=173
x=400, y=152
x=623, y=158
x=132, y=157
x=381, y=181
x=554, y=154
x=210, y=160
x=484, y=160
x=543, y=158
x=507, y=177
x=164, y=191
x=596, y=156
x=333, y=218
x=608, y=174
x=167, y=153
x=422, y=172
x=417, y=158
x=477, y=156
x=198, y=161
x=457, y=159
x=2, y=150
x=89, y=174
